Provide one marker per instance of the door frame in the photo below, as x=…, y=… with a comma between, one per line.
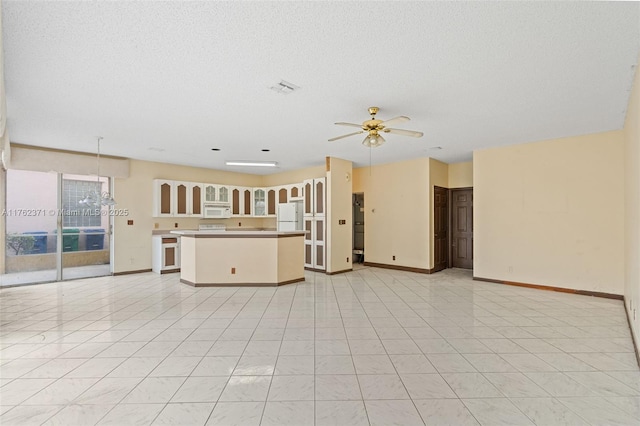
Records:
x=447, y=263
x=58, y=271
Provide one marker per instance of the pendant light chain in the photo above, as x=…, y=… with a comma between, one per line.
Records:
x=98, y=168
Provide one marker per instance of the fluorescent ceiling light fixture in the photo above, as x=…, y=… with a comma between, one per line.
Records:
x=252, y=163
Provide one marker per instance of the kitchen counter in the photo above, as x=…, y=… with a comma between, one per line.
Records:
x=241, y=258
x=238, y=234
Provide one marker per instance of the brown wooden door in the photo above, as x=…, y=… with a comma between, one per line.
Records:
x=440, y=227
x=462, y=228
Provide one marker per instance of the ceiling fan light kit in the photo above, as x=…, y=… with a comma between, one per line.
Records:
x=373, y=140
x=374, y=127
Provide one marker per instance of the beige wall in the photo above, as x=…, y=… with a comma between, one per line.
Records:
x=294, y=176
x=339, y=207
x=461, y=175
x=397, y=205
x=32, y=158
x=632, y=208
x=551, y=213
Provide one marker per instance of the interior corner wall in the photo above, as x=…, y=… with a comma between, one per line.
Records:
x=397, y=206
x=551, y=213
x=294, y=176
x=632, y=209
x=438, y=176
x=132, y=251
x=339, y=243
x=461, y=175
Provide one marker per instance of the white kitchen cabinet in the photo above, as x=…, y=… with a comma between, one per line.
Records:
x=314, y=224
x=272, y=202
x=223, y=194
x=241, y=200
x=237, y=201
x=195, y=199
x=164, y=198
x=216, y=193
x=295, y=191
x=314, y=197
x=259, y=202
x=283, y=194
x=314, y=243
x=173, y=198
x=182, y=198
x=165, y=252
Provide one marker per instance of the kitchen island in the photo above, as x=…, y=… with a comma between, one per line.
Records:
x=241, y=258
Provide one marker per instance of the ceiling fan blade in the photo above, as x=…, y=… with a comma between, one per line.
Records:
x=349, y=124
x=346, y=136
x=394, y=120
x=404, y=132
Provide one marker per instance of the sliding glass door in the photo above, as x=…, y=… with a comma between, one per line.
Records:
x=51, y=232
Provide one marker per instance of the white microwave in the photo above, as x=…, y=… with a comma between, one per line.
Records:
x=216, y=211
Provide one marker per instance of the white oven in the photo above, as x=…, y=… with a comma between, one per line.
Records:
x=216, y=211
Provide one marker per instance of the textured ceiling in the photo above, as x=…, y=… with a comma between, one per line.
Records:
x=168, y=81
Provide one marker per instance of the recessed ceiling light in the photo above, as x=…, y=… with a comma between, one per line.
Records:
x=266, y=150
x=284, y=87
x=215, y=149
x=252, y=163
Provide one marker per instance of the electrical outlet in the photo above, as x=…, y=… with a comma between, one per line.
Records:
x=347, y=260
x=175, y=225
x=129, y=222
x=394, y=258
x=239, y=224
x=233, y=271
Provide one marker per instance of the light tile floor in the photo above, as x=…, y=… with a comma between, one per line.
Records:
x=48, y=275
x=371, y=346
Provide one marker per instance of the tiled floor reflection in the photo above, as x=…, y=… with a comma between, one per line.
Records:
x=372, y=347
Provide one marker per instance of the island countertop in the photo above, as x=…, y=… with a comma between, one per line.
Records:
x=238, y=234
x=241, y=258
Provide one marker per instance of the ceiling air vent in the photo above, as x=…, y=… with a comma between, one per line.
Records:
x=284, y=87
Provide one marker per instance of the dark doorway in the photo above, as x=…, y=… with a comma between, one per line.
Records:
x=358, y=228
x=462, y=228
x=441, y=228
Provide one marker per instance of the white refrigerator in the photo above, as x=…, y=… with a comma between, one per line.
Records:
x=290, y=217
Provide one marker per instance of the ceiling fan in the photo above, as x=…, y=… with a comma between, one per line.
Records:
x=374, y=127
